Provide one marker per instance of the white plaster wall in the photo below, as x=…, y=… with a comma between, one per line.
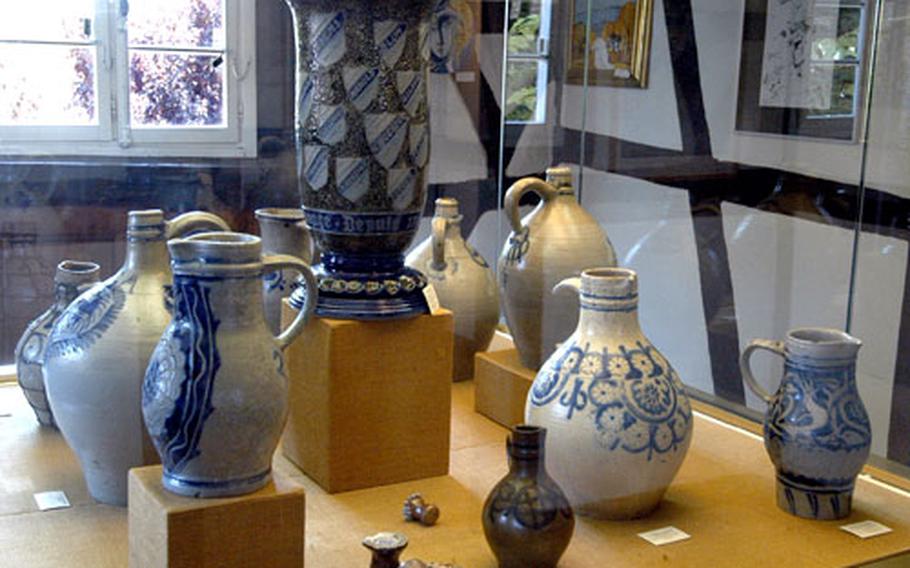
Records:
x=647, y=116
x=456, y=153
x=650, y=227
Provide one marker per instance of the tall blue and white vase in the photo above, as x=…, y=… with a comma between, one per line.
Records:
x=72, y=278
x=99, y=348
x=618, y=417
x=363, y=141
x=816, y=428
x=215, y=396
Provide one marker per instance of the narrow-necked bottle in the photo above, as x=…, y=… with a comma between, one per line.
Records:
x=100, y=347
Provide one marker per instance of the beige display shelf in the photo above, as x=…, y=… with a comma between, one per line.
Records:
x=723, y=497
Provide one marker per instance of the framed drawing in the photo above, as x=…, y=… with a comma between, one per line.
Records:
x=802, y=68
x=619, y=46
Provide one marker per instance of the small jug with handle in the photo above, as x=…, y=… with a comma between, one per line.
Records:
x=557, y=240
x=215, y=396
x=816, y=428
x=283, y=231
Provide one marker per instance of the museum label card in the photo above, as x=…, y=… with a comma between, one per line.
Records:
x=50, y=500
x=432, y=299
x=866, y=529
x=666, y=535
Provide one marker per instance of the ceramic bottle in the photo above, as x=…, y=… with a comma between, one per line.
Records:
x=98, y=351
x=72, y=278
x=464, y=283
x=816, y=428
x=618, y=419
x=215, y=395
x=363, y=149
x=557, y=240
x=527, y=519
x=283, y=231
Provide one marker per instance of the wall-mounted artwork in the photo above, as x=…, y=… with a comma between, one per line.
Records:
x=619, y=45
x=452, y=35
x=801, y=67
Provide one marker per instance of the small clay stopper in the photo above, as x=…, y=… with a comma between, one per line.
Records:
x=386, y=548
x=418, y=510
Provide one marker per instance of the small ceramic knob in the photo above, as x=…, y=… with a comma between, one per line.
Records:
x=418, y=510
x=386, y=548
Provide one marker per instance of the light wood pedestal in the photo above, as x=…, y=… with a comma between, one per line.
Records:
x=723, y=496
x=265, y=528
x=370, y=402
x=502, y=386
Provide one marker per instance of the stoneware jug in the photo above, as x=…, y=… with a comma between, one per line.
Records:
x=816, y=428
x=72, y=278
x=215, y=396
x=527, y=519
x=98, y=351
x=557, y=240
x=363, y=149
x=618, y=419
x=464, y=283
x=283, y=231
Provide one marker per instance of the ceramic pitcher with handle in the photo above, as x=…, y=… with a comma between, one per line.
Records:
x=283, y=231
x=215, y=396
x=557, y=240
x=816, y=428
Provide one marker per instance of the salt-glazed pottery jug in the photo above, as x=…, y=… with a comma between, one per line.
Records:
x=527, y=519
x=363, y=141
x=72, y=278
x=98, y=351
x=816, y=428
x=215, y=396
x=464, y=283
x=283, y=231
x=619, y=420
x=557, y=240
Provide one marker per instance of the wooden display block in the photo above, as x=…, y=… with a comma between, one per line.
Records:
x=170, y=531
x=370, y=402
x=502, y=385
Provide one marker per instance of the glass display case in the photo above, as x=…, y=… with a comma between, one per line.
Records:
x=747, y=159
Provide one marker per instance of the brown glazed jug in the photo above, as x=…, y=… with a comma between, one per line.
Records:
x=556, y=241
x=527, y=519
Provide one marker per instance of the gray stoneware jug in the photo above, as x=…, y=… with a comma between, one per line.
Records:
x=72, y=279
x=556, y=241
x=283, y=231
x=464, y=283
x=98, y=351
x=215, y=396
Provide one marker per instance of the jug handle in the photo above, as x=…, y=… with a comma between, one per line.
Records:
x=194, y=222
x=776, y=347
x=545, y=190
x=438, y=242
x=276, y=262
x=573, y=283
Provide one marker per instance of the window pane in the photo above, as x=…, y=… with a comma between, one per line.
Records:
x=523, y=33
x=176, y=89
x=48, y=20
x=521, y=94
x=196, y=23
x=47, y=85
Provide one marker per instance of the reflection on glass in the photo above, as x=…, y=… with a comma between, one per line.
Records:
x=521, y=96
x=177, y=23
x=48, y=20
x=47, y=85
x=174, y=89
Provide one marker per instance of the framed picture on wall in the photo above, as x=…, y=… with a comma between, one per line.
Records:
x=619, y=46
x=802, y=68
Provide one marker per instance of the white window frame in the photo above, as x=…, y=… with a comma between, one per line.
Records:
x=113, y=135
x=541, y=57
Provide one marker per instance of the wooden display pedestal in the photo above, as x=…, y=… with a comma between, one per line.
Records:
x=501, y=386
x=370, y=402
x=170, y=531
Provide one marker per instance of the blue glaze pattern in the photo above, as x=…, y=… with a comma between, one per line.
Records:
x=177, y=434
x=632, y=395
x=87, y=319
